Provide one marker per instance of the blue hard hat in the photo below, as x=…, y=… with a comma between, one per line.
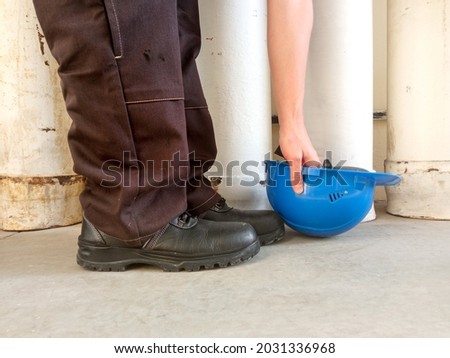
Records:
x=334, y=199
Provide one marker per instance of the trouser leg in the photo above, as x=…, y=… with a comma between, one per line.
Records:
x=120, y=70
x=200, y=132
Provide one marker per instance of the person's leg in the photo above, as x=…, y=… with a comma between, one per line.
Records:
x=124, y=93
x=201, y=198
x=200, y=132
x=121, y=74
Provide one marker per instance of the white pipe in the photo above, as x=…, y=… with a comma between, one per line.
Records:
x=339, y=91
x=419, y=107
x=339, y=96
x=33, y=114
x=235, y=74
x=37, y=185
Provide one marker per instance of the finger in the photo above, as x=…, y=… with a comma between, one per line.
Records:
x=296, y=176
x=312, y=164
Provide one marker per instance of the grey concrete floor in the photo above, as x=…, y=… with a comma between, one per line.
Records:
x=387, y=278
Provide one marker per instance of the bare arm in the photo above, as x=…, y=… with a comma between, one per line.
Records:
x=289, y=31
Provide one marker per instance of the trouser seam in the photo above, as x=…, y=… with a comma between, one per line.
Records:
x=155, y=100
x=200, y=107
x=118, y=30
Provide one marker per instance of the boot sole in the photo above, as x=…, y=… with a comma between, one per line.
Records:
x=119, y=259
x=271, y=237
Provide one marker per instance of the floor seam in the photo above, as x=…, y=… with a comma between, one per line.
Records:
x=8, y=236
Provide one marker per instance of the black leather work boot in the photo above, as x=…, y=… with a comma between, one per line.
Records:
x=186, y=243
x=268, y=225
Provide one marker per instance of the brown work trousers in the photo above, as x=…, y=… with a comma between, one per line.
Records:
x=141, y=132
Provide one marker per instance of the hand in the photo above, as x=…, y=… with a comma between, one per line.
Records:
x=298, y=151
